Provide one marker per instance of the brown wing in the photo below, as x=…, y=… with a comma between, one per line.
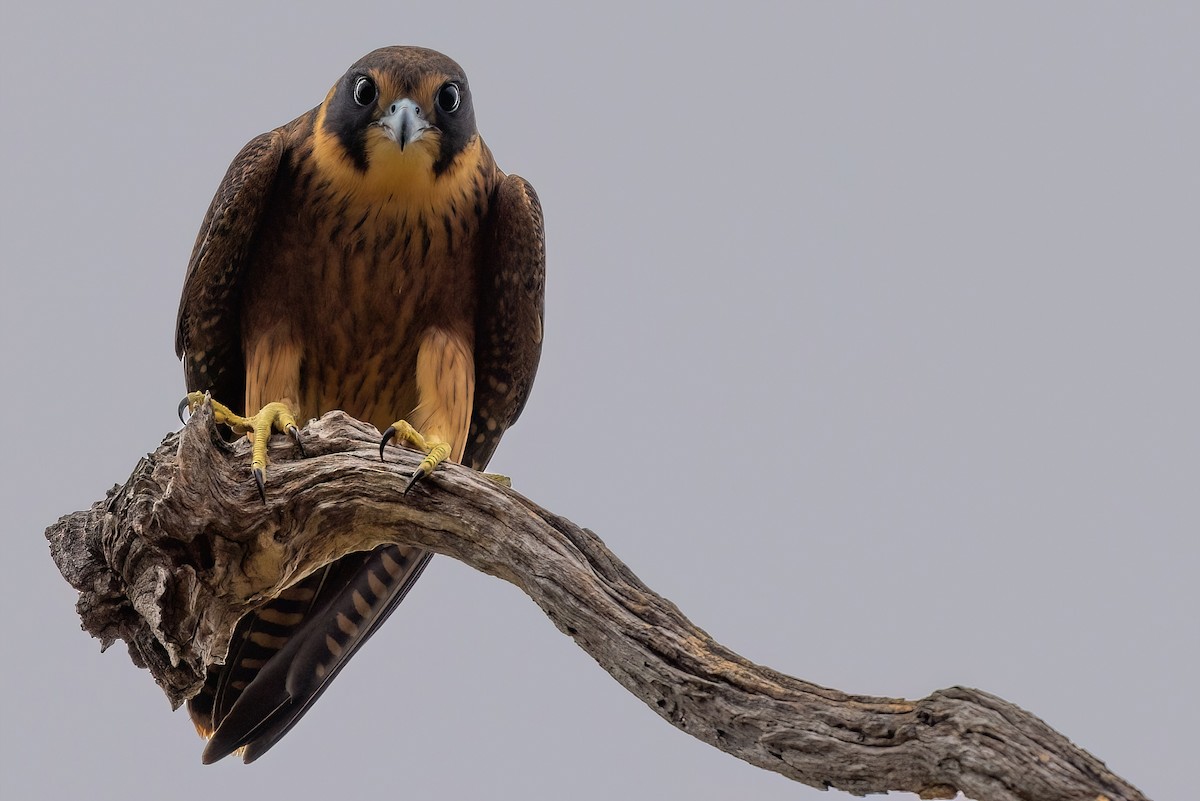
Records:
x=208, y=332
x=508, y=330
x=208, y=328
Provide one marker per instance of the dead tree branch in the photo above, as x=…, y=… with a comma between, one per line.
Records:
x=169, y=561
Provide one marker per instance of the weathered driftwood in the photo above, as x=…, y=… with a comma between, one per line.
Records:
x=169, y=561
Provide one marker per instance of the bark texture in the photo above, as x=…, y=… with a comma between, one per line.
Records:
x=170, y=560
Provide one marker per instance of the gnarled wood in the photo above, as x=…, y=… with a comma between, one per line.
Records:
x=169, y=561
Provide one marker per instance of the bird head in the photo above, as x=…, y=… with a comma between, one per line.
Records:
x=400, y=121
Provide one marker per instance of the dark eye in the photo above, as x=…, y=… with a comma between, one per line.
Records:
x=365, y=91
x=448, y=98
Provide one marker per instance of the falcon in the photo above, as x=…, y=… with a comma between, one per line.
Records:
x=368, y=256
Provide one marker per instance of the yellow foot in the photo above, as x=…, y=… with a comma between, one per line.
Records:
x=498, y=478
x=272, y=417
x=435, y=450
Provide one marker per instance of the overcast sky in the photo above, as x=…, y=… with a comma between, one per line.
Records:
x=902, y=298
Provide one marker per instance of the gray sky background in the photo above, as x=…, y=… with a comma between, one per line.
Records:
x=901, y=298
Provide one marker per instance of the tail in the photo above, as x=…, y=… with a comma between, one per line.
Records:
x=284, y=655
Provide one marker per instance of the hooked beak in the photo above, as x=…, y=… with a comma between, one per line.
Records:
x=404, y=123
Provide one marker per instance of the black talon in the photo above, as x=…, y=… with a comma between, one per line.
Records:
x=417, y=475
x=262, y=487
x=295, y=432
x=387, y=437
x=183, y=404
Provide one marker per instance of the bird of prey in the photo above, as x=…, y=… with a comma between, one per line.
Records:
x=368, y=256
